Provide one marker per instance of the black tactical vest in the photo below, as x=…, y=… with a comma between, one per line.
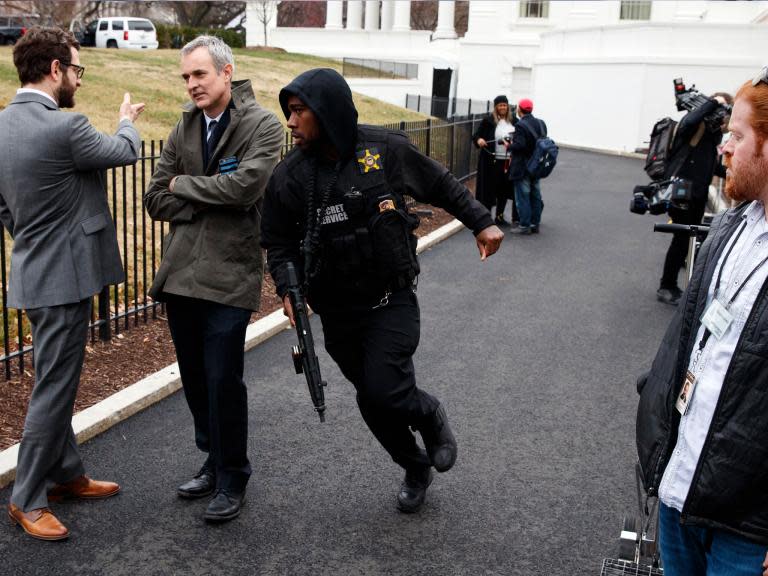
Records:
x=367, y=243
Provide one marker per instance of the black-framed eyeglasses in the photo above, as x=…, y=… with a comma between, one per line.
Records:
x=79, y=70
x=762, y=76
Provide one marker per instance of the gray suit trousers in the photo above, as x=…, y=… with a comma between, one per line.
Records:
x=48, y=452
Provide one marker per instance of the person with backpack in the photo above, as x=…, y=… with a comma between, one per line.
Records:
x=528, y=131
x=694, y=157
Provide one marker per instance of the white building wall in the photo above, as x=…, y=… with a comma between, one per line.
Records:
x=597, y=80
x=605, y=87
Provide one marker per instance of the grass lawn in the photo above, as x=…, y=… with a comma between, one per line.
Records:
x=153, y=77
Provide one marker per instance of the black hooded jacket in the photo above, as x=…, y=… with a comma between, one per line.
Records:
x=374, y=164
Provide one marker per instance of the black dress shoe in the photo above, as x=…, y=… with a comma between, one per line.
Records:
x=439, y=441
x=200, y=486
x=225, y=505
x=413, y=490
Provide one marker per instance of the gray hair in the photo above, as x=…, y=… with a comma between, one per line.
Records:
x=217, y=48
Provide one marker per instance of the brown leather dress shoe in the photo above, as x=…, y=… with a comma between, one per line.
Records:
x=83, y=488
x=39, y=523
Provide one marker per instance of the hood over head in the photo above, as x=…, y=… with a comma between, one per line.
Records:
x=327, y=94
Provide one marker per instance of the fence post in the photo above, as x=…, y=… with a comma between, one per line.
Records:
x=402, y=125
x=418, y=103
x=429, y=137
x=105, y=328
x=469, y=106
x=487, y=106
x=451, y=144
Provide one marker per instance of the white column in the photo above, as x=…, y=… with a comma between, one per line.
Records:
x=445, y=18
x=334, y=11
x=387, y=14
x=354, y=14
x=402, y=21
x=371, y=14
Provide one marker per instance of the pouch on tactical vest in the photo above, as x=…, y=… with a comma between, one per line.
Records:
x=393, y=242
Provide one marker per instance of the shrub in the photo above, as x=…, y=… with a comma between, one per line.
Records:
x=177, y=36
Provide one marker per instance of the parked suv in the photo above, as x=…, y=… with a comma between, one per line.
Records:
x=12, y=28
x=117, y=32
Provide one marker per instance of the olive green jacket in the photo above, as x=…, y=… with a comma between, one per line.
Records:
x=212, y=250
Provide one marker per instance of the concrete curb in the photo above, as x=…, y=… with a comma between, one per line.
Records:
x=155, y=387
x=606, y=151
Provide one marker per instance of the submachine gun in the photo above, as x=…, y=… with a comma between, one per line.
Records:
x=304, y=358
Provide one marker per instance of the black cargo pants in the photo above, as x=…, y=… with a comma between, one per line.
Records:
x=374, y=349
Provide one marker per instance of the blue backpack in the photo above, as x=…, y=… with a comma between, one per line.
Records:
x=544, y=155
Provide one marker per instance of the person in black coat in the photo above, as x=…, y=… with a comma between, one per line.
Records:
x=335, y=208
x=703, y=455
x=492, y=185
x=698, y=143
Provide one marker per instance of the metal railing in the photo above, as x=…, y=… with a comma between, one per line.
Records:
x=447, y=107
x=367, y=68
x=122, y=306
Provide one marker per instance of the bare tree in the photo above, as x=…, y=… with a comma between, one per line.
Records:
x=265, y=10
x=52, y=13
x=301, y=14
x=206, y=14
x=424, y=15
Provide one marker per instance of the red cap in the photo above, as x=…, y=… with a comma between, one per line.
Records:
x=526, y=105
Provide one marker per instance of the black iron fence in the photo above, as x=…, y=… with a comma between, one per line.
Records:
x=122, y=306
x=368, y=68
x=447, y=107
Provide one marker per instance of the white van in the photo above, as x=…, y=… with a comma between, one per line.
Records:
x=117, y=32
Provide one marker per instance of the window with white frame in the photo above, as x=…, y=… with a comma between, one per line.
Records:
x=635, y=10
x=534, y=8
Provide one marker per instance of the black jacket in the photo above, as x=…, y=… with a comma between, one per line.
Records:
x=700, y=161
x=484, y=191
x=400, y=168
x=527, y=130
x=728, y=490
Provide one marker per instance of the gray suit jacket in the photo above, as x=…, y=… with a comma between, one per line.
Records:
x=53, y=201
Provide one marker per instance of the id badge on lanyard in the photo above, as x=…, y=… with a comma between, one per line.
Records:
x=716, y=321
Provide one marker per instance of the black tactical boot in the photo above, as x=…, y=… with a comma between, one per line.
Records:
x=439, y=441
x=414, y=489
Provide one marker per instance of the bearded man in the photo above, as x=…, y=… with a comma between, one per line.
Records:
x=705, y=453
x=54, y=206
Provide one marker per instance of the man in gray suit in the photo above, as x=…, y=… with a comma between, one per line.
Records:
x=53, y=204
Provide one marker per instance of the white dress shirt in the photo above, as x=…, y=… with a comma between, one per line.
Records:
x=710, y=368
x=35, y=91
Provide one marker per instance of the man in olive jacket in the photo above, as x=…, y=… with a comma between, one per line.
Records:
x=209, y=185
x=702, y=430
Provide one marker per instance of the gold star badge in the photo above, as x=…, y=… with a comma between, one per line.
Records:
x=368, y=160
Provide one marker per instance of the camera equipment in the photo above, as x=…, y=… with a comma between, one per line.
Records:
x=657, y=197
x=690, y=99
